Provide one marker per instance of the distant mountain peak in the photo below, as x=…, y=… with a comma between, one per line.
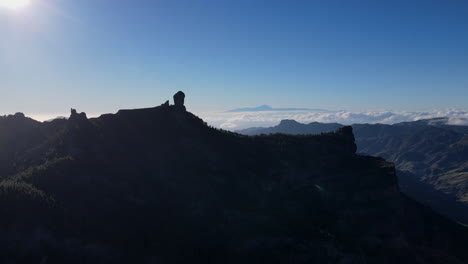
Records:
x=288, y=122
x=264, y=107
x=269, y=108
x=19, y=115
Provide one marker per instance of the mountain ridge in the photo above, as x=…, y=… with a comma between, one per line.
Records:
x=160, y=185
x=426, y=152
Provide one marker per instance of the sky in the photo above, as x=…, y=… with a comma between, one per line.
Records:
x=103, y=55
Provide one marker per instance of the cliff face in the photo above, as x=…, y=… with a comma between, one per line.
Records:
x=159, y=186
x=431, y=160
x=430, y=156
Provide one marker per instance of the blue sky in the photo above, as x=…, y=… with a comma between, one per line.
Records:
x=103, y=55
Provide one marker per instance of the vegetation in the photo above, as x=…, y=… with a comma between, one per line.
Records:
x=430, y=157
x=158, y=185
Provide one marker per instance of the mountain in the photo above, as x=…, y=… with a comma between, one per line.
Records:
x=20, y=136
x=269, y=108
x=431, y=157
x=58, y=117
x=158, y=185
x=293, y=127
x=435, y=156
x=442, y=122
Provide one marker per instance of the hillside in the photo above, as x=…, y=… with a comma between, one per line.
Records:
x=293, y=127
x=158, y=185
x=432, y=161
x=431, y=157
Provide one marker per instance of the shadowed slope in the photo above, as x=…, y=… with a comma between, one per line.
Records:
x=158, y=185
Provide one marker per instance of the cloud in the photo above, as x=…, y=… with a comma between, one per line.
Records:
x=240, y=120
x=235, y=121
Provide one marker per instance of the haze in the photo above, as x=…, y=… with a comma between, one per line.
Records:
x=101, y=56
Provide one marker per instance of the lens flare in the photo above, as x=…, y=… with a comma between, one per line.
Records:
x=14, y=4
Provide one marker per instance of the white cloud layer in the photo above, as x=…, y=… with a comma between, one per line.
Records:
x=241, y=120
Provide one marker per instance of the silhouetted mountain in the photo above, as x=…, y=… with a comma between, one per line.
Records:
x=158, y=185
x=269, y=108
x=442, y=122
x=293, y=127
x=58, y=117
x=20, y=138
x=431, y=157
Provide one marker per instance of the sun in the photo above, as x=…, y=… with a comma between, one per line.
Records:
x=14, y=4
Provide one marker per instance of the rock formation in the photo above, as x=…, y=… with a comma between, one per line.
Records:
x=179, y=98
x=347, y=134
x=77, y=117
x=19, y=115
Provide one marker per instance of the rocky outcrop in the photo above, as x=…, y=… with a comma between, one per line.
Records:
x=77, y=117
x=179, y=99
x=348, y=136
x=19, y=116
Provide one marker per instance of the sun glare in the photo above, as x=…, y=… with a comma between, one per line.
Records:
x=14, y=4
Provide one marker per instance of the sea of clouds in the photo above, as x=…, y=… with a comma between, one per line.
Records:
x=240, y=120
